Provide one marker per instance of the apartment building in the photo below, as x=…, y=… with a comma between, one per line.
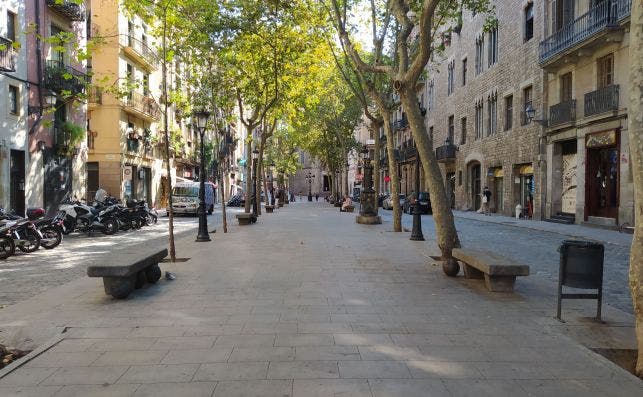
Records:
x=126, y=136
x=14, y=155
x=476, y=95
x=585, y=57
x=57, y=113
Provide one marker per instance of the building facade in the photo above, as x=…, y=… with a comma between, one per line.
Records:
x=14, y=156
x=586, y=60
x=126, y=108
x=476, y=94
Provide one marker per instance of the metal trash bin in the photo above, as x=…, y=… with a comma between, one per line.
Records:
x=581, y=266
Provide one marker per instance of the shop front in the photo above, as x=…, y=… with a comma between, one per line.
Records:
x=602, y=177
x=496, y=180
x=524, y=188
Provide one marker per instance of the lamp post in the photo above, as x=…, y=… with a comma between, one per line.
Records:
x=255, y=201
x=309, y=178
x=416, y=233
x=201, y=123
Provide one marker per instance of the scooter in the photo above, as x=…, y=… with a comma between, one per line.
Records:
x=24, y=233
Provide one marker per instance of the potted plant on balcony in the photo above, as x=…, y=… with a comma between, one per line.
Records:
x=69, y=137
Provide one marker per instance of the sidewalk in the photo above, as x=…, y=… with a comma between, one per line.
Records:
x=578, y=231
x=317, y=306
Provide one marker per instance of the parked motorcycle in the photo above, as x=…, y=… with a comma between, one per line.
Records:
x=24, y=233
x=52, y=229
x=7, y=246
x=85, y=218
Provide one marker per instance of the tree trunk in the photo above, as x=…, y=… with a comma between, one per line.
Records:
x=168, y=169
x=446, y=234
x=376, y=162
x=222, y=179
x=635, y=127
x=259, y=176
x=392, y=170
x=248, y=167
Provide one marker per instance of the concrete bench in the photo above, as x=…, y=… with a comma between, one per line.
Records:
x=270, y=209
x=246, y=218
x=134, y=268
x=499, y=273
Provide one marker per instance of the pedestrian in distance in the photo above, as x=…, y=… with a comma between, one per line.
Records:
x=316, y=196
x=486, y=198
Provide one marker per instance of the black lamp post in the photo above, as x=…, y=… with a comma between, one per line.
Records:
x=416, y=233
x=255, y=201
x=310, y=178
x=201, y=122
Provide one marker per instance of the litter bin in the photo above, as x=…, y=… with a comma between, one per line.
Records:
x=581, y=266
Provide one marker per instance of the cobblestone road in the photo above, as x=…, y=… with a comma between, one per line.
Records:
x=522, y=241
x=25, y=275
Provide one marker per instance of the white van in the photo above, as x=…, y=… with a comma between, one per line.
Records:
x=186, y=197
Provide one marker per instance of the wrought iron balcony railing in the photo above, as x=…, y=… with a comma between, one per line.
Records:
x=70, y=9
x=446, y=153
x=7, y=56
x=600, y=17
x=563, y=112
x=142, y=104
x=400, y=124
x=602, y=100
x=95, y=95
x=60, y=77
x=140, y=48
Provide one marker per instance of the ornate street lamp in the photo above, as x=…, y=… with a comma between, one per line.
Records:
x=310, y=177
x=416, y=232
x=255, y=201
x=201, y=118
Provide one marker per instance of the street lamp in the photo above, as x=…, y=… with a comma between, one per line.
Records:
x=416, y=232
x=310, y=178
x=530, y=113
x=255, y=202
x=201, y=118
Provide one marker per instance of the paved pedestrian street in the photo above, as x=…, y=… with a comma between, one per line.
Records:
x=308, y=303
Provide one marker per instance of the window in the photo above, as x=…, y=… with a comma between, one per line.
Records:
x=566, y=87
x=11, y=26
x=463, y=131
x=57, y=53
x=451, y=129
x=492, y=114
x=146, y=84
x=14, y=105
x=479, y=54
x=464, y=72
x=450, y=77
x=529, y=22
x=478, y=120
x=509, y=112
x=459, y=178
x=492, y=50
x=605, y=71
x=526, y=102
x=430, y=96
x=431, y=133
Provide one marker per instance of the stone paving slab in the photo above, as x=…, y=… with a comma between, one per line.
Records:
x=311, y=312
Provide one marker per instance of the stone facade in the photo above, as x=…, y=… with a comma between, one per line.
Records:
x=589, y=177
x=503, y=152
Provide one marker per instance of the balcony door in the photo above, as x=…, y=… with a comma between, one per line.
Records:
x=563, y=13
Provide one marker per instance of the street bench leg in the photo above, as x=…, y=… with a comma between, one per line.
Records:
x=153, y=274
x=500, y=283
x=472, y=272
x=119, y=287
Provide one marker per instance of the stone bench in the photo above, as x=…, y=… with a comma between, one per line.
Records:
x=270, y=209
x=499, y=273
x=133, y=270
x=246, y=218
x=348, y=208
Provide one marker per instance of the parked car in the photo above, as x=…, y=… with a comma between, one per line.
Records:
x=425, y=203
x=387, y=203
x=186, y=197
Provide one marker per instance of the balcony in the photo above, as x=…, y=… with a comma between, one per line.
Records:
x=400, y=124
x=142, y=106
x=7, y=56
x=139, y=51
x=602, y=100
x=95, y=97
x=601, y=18
x=564, y=112
x=446, y=153
x=69, y=9
x=62, y=78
